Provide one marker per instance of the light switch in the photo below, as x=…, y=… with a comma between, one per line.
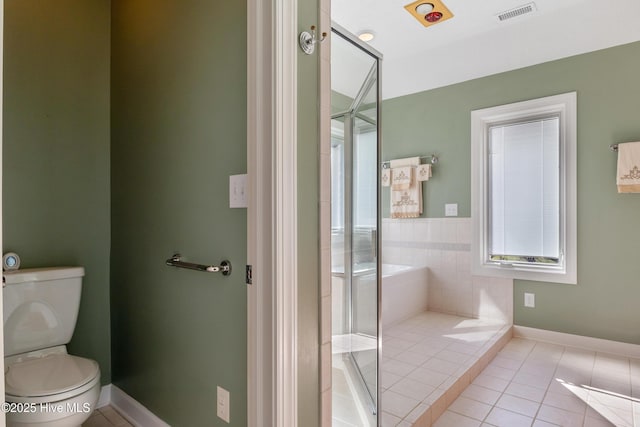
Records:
x=238, y=191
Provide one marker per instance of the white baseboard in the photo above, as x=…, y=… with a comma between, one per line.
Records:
x=586, y=343
x=105, y=396
x=131, y=409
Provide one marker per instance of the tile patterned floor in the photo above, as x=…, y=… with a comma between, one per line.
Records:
x=528, y=383
x=106, y=417
x=537, y=384
x=423, y=357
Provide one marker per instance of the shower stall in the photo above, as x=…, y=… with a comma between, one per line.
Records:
x=355, y=221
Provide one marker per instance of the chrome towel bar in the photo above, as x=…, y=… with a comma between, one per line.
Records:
x=433, y=159
x=176, y=261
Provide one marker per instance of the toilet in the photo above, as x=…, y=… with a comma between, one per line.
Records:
x=44, y=385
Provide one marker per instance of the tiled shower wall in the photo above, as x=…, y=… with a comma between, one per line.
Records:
x=444, y=246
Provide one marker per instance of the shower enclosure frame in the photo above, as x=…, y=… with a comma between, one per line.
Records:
x=374, y=77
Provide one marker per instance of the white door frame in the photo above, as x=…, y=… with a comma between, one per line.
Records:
x=2, y=417
x=272, y=214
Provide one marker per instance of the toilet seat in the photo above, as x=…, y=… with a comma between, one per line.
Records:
x=53, y=377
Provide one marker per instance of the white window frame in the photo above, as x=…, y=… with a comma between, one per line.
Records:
x=565, y=106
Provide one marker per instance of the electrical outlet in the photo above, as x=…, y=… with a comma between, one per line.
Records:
x=451, y=209
x=223, y=404
x=529, y=300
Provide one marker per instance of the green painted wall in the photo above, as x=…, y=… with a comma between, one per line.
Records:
x=308, y=226
x=339, y=102
x=56, y=150
x=604, y=303
x=178, y=132
x=434, y=122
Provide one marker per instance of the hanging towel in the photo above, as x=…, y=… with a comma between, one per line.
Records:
x=628, y=178
x=385, y=177
x=409, y=161
x=423, y=172
x=402, y=178
x=406, y=203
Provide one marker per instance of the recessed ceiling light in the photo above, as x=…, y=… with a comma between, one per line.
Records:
x=424, y=8
x=366, y=36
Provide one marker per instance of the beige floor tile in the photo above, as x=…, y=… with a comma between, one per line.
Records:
x=397, y=367
x=526, y=392
x=597, y=422
x=442, y=366
x=470, y=408
x=388, y=379
x=429, y=377
x=451, y=419
x=417, y=412
x=519, y=405
x=389, y=420
x=481, y=394
x=502, y=418
x=397, y=404
x=540, y=423
x=106, y=417
x=528, y=383
x=114, y=417
x=499, y=372
x=493, y=383
x=554, y=386
x=97, y=420
x=413, y=389
x=505, y=362
x=445, y=347
x=560, y=416
x=413, y=358
x=566, y=401
x=534, y=380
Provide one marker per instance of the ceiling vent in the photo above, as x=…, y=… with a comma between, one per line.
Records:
x=518, y=11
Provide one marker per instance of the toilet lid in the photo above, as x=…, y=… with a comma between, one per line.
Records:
x=52, y=374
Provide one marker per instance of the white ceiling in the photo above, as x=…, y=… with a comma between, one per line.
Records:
x=474, y=43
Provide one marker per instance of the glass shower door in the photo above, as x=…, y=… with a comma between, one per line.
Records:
x=364, y=281
x=355, y=222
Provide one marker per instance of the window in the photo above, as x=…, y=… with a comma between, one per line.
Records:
x=524, y=190
x=364, y=191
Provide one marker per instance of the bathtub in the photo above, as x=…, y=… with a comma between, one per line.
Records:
x=404, y=292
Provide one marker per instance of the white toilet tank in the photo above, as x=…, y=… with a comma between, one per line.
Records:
x=40, y=307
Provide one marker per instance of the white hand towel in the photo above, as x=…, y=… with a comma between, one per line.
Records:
x=423, y=172
x=402, y=178
x=385, y=177
x=406, y=203
x=409, y=161
x=628, y=178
